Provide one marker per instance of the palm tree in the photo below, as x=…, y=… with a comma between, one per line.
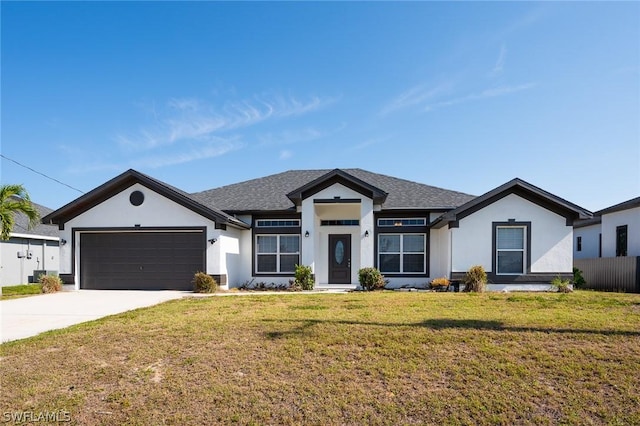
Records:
x=15, y=199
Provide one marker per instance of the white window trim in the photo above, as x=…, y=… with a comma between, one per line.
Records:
x=258, y=223
x=277, y=253
x=402, y=253
x=523, y=250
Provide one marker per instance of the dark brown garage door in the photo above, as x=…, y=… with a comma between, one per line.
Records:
x=140, y=260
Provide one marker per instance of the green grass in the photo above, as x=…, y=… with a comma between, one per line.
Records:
x=16, y=291
x=357, y=358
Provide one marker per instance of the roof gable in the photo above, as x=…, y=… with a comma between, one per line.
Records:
x=126, y=180
x=337, y=176
x=523, y=189
x=625, y=205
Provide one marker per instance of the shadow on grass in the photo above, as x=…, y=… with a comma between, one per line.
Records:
x=443, y=324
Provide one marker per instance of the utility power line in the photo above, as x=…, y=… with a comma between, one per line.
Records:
x=40, y=173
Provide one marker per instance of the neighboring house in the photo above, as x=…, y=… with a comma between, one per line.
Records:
x=612, y=232
x=29, y=250
x=137, y=232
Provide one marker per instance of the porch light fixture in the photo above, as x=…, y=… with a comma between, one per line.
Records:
x=306, y=234
x=366, y=233
x=63, y=241
x=212, y=240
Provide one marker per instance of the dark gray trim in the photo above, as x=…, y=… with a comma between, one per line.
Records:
x=535, y=278
x=221, y=279
x=126, y=180
x=292, y=230
x=337, y=176
x=524, y=190
x=402, y=214
x=494, y=226
x=67, y=278
x=625, y=205
x=596, y=220
x=337, y=201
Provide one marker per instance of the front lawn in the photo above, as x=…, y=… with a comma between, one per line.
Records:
x=357, y=358
x=23, y=290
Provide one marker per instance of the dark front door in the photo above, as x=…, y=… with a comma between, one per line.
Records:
x=340, y=259
x=140, y=260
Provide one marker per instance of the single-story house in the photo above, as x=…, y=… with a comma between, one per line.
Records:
x=29, y=252
x=136, y=232
x=611, y=232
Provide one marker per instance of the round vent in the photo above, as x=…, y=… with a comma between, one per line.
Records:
x=136, y=198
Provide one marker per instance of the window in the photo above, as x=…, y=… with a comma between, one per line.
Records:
x=403, y=222
x=579, y=244
x=340, y=222
x=401, y=253
x=277, y=253
x=621, y=240
x=277, y=223
x=510, y=250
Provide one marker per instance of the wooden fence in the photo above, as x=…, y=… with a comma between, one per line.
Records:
x=611, y=273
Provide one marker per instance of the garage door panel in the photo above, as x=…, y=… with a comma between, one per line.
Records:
x=140, y=260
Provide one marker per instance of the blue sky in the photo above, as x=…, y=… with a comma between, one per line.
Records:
x=464, y=96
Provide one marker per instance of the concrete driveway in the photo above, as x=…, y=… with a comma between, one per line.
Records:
x=29, y=316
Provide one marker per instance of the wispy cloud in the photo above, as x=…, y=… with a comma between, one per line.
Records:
x=498, y=68
x=488, y=93
x=285, y=154
x=368, y=143
x=416, y=95
x=190, y=129
x=287, y=137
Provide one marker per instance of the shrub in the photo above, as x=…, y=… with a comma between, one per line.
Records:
x=304, y=277
x=50, y=283
x=561, y=285
x=439, y=283
x=204, y=283
x=578, y=279
x=370, y=279
x=475, y=279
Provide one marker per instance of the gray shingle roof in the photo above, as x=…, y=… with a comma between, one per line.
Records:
x=270, y=192
x=21, y=225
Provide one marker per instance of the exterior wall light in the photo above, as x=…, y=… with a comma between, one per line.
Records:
x=63, y=241
x=212, y=240
x=306, y=234
x=366, y=233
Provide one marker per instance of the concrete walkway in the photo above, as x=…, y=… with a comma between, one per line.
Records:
x=29, y=316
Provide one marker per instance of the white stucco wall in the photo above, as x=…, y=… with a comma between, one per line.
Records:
x=156, y=211
x=315, y=248
x=44, y=256
x=590, y=242
x=610, y=221
x=439, y=252
x=551, y=238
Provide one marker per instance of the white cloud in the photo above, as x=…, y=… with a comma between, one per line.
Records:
x=414, y=96
x=488, y=93
x=285, y=154
x=502, y=56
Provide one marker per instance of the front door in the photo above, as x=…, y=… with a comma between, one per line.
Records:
x=340, y=259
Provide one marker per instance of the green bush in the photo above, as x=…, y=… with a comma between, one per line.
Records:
x=561, y=285
x=370, y=279
x=475, y=279
x=50, y=283
x=304, y=277
x=578, y=279
x=204, y=283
